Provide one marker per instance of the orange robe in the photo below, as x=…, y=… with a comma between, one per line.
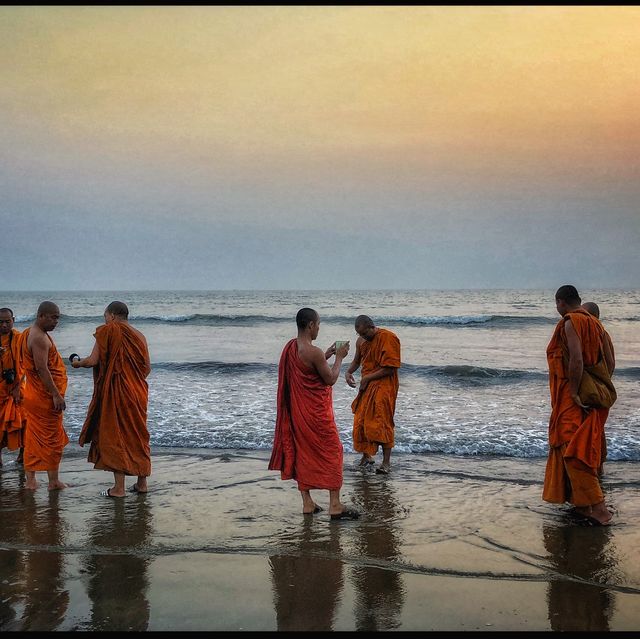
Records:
x=45, y=436
x=12, y=419
x=374, y=408
x=306, y=445
x=575, y=436
x=116, y=422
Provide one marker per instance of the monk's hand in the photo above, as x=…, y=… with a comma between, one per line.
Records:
x=76, y=363
x=364, y=382
x=59, y=403
x=350, y=379
x=578, y=401
x=17, y=397
x=343, y=350
x=330, y=351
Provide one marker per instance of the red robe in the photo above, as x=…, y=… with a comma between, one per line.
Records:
x=575, y=436
x=45, y=436
x=306, y=445
x=12, y=419
x=116, y=422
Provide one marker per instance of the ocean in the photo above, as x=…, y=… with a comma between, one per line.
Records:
x=473, y=380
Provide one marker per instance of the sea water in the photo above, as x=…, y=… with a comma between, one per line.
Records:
x=473, y=379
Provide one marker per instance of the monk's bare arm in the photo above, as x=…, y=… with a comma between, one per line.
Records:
x=576, y=365
x=328, y=374
x=40, y=351
x=353, y=367
x=88, y=362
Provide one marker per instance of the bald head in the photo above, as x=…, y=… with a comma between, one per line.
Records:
x=119, y=309
x=593, y=308
x=364, y=321
x=305, y=316
x=48, y=308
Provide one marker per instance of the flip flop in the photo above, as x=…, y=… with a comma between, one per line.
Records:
x=347, y=513
x=315, y=511
x=383, y=470
x=595, y=522
x=107, y=493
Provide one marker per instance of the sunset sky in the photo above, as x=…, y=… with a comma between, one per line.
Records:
x=211, y=147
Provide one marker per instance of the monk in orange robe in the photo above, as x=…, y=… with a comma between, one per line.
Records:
x=575, y=430
x=306, y=444
x=45, y=436
x=11, y=383
x=116, y=422
x=378, y=351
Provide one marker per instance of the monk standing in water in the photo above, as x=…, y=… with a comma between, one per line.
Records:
x=116, y=422
x=306, y=444
x=45, y=436
x=11, y=378
x=575, y=430
x=378, y=351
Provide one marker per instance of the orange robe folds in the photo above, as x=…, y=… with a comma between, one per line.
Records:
x=306, y=444
x=575, y=435
x=45, y=436
x=374, y=408
x=11, y=415
x=116, y=423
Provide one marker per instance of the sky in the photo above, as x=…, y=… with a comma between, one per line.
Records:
x=319, y=147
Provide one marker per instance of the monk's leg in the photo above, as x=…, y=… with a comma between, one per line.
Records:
x=308, y=505
x=20, y=457
x=335, y=505
x=31, y=483
x=54, y=480
x=118, y=487
x=141, y=485
x=386, y=457
x=586, y=492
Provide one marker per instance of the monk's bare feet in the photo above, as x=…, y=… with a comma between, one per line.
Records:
x=31, y=485
x=139, y=487
x=57, y=485
x=366, y=460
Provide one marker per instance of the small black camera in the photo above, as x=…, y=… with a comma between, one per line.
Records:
x=9, y=375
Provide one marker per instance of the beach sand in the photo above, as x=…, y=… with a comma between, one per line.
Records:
x=220, y=544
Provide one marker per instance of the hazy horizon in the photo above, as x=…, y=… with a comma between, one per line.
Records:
x=319, y=147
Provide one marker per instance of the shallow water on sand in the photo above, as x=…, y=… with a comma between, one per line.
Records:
x=444, y=543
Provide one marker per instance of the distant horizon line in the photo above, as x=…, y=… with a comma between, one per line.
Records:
x=300, y=290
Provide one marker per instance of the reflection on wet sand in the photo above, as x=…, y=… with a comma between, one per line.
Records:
x=118, y=579
x=307, y=580
x=586, y=556
x=40, y=569
x=379, y=591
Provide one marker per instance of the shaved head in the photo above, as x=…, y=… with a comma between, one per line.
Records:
x=364, y=321
x=305, y=316
x=48, y=308
x=119, y=309
x=568, y=294
x=593, y=308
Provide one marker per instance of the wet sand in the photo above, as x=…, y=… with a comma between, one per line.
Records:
x=220, y=543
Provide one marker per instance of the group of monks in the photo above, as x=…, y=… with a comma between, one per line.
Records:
x=32, y=398
x=307, y=448
x=306, y=445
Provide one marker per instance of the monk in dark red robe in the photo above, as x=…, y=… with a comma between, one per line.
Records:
x=306, y=446
x=576, y=431
x=116, y=422
x=45, y=436
x=12, y=421
x=378, y=352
